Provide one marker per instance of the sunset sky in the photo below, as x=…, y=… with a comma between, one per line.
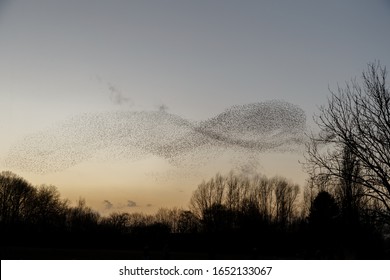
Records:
x=108, y=100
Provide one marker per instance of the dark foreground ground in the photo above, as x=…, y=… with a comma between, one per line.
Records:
x=25, y=244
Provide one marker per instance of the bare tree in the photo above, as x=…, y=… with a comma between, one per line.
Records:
x=168, y=217
x=237, y=191
x=15, y=194
x=356, y=119
x=82, y=218
x=117, y=221
x=207, y=195
x=263, y=195
x=46, y=208
x=188, y=222
x=285, y=200
x=228, y=202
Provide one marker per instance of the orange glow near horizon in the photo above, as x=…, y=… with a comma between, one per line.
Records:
x=152, y=183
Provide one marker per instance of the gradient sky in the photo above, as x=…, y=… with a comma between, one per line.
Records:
x=60, y=59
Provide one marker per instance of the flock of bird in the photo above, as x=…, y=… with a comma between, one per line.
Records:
x=252, y=128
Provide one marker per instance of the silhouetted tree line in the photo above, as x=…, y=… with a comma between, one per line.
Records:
x=232, y=216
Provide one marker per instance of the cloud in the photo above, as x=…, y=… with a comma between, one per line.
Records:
x=131, y=203
x=107, y=205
